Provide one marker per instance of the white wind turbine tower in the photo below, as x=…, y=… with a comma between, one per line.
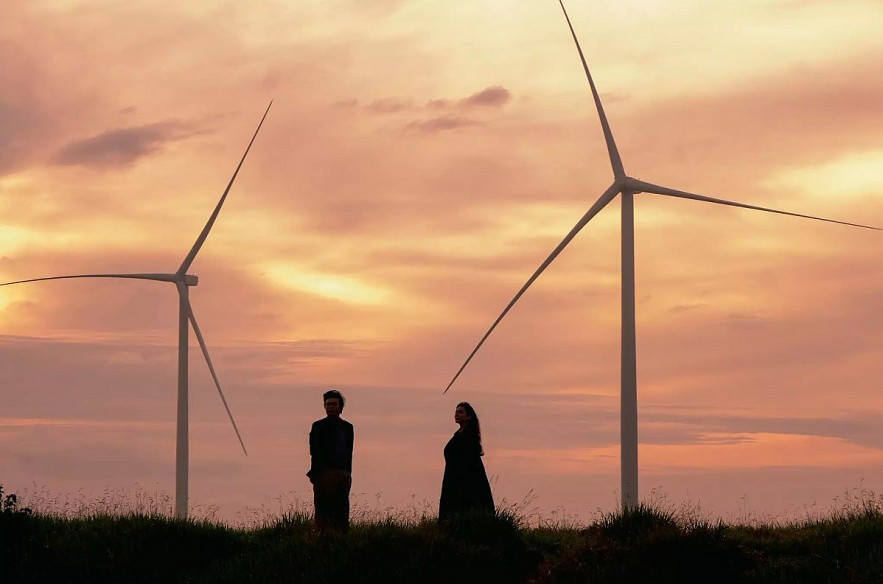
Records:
x=627, y=187
x=182, y=281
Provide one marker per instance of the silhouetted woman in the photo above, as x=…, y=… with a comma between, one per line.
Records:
x=465, y=486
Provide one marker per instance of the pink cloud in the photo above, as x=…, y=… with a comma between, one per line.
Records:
x=441, y=124
x=494, y=97
x=388, y=106
x=122, y=147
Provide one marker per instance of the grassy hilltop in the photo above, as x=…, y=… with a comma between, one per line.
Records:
x=646, y=545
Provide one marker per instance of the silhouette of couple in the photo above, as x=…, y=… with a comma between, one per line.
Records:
x=464, y=487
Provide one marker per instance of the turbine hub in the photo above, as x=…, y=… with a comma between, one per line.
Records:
x=631, y=185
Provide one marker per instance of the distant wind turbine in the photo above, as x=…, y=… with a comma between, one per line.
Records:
x=627, y=187
x=182, y=280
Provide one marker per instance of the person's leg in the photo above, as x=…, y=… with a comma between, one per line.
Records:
x=340, y=499
x=346, y=486
x=322, y=500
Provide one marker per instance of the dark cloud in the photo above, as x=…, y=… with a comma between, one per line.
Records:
x=438, y=103
x=122, y=147
x=441, y=124
x=446, y=114
x=494, y=96
x=858, y=427
x=388, y=106
x=347, y=103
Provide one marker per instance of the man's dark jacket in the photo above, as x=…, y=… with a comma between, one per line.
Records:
x=324, y=443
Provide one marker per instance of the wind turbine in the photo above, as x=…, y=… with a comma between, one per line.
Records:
x=182, y=281
x=627, y=187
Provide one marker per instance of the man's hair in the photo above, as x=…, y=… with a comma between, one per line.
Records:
x=333, y=393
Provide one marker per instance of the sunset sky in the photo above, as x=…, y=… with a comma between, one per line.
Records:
x=420, y=160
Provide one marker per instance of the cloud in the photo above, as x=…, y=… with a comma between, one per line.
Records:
x=687, y=307
x=122, y=147
x=490, y=98
x=442, y=124
x=377, y=8
x=18, y=125
x=857, y=427
x=806, y=116
x=388, y=106
x=495, y=97
x=27, y=119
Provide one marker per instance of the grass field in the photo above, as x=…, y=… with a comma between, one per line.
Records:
x=653, y=543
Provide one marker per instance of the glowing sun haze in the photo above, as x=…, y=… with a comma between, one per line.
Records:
x=420, y=160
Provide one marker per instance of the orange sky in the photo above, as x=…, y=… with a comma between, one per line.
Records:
x=420, y=160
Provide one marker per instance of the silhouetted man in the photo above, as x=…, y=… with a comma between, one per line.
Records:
x=331, y=464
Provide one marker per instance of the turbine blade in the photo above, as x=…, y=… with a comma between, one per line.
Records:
x=211, y=368
x=612, y=151
x=641, y=186
x=157, y=277
x=185, y=265
x=594, y=210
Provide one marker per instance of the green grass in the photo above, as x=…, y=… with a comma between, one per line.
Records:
x=652, y=543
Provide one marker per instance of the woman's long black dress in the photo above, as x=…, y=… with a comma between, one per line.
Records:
x=465, y=485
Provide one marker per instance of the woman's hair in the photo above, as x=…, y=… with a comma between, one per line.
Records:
x=474, y=425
